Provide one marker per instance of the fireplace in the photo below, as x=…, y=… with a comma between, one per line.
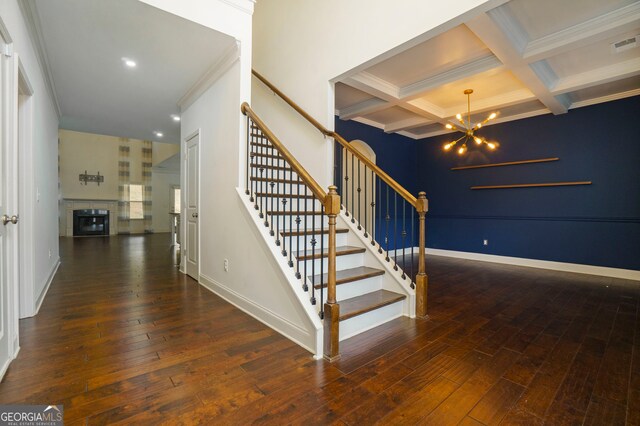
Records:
x=90, y=222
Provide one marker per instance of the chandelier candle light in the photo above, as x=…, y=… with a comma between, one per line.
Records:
x=469, y=130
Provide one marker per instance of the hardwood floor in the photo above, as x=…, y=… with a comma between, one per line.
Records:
x=122, y=337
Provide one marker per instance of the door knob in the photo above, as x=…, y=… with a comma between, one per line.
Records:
x=6, y=219
x=194, y=214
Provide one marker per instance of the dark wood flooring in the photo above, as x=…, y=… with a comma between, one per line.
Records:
x=122, y=337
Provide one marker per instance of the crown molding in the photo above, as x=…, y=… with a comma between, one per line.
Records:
x=245, y=6
x=227, y=59
x=608, y=98
x=30, y=13
x=618, y=71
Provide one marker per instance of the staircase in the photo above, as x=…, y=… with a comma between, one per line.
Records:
x=297, y=222
x=351, y=281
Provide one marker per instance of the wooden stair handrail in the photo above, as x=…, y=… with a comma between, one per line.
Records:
x=315, y=188
x=342, y=141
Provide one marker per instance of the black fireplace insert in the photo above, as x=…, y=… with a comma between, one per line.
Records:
x=90, y=222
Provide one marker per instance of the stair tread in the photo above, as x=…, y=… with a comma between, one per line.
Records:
x=358, y=305
x=340, y=251
x=348, y=275
x=314, y=231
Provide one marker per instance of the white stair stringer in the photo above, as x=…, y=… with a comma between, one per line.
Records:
x=309, y=333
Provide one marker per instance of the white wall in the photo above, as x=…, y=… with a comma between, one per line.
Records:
x=43, y=256
x=300, y=46
x=162, y=183
x=225, y=230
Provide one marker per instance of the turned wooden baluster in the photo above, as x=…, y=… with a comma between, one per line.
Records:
x=331, y=307
x=422, y=281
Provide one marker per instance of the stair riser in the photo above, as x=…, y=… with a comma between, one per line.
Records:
x=342, y=262
x=366, y=321
x=358, y=288
x=341, y=240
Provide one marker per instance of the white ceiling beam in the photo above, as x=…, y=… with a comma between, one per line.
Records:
x=374, y=85
x=388, y=92
x=597, y=76
x=425, y=109
x=599, y=28
x=363, y=108
x=418, y=88
x=406, y=124
x=492, y=36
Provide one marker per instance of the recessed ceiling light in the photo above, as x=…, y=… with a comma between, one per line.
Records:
x=158, y=134
x=175, y=117
x=129, y=62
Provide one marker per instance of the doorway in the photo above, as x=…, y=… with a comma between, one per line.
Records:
x=9, y=236
x=192, y=199
x=362, y=178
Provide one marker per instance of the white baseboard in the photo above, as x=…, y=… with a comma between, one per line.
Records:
x=52, y=274
x=4, y=368
x=577, y=268
x=271, y=319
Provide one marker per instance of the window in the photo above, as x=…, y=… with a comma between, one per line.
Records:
x=136, y=210
x=175, y=193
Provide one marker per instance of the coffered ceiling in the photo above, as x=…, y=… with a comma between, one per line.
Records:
x=523, y=58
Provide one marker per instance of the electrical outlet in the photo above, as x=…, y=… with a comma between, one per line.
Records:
x=485, y=242
x=226, y=265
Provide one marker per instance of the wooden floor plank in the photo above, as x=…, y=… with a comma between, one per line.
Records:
x=124, y=338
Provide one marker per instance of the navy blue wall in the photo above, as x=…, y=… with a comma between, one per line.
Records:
x=598, y=224
x=395, y=155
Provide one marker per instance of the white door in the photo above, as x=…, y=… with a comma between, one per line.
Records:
x=8, y=201
x=192, y=198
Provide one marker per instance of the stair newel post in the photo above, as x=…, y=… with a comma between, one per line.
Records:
x=331, y=307
x=422, y=281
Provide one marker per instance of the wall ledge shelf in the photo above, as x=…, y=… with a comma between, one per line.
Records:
x=508, y=163
x=532, y=185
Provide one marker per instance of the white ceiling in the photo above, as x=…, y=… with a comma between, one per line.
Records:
x=83, y=43
x=523, y=58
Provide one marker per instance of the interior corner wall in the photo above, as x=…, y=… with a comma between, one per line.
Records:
x=395, y=153
x=225, y=230
x=302, y=46
x=44, y=152
x=597, y=224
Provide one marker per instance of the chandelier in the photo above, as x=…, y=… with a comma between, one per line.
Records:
x=469, y=129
